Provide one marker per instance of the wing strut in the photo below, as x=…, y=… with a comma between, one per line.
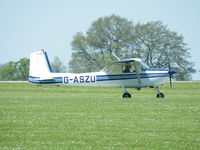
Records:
x=138, y=73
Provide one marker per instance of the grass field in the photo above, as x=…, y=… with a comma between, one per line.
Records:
x=50, y=117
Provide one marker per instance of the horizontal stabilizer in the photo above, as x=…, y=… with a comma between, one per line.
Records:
x=44, y=78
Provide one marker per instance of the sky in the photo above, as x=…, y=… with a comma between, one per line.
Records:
x=31, y=25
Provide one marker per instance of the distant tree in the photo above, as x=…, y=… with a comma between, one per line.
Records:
x=106, y=36
x=8, y=71
x=15, y=70
x=57, y=65
x=23, y=68
x=2, y=66
x=153, y=42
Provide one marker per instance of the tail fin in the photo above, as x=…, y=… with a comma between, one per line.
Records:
x=39, y=64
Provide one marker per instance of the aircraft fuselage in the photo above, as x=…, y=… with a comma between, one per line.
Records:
x=148, y=79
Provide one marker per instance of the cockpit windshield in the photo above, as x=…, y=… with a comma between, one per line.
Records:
x=144, y=65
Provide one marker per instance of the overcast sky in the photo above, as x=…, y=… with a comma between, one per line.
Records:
x=29, y=25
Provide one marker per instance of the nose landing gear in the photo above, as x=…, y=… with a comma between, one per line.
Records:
x=159, y=94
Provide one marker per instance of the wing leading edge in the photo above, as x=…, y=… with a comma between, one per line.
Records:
x=127, y=60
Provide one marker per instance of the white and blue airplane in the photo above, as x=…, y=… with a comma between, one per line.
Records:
x=126, y=73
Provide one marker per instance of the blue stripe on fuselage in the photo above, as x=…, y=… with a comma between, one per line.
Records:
x=128, y=76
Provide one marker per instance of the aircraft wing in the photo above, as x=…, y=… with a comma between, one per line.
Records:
x=125, y=60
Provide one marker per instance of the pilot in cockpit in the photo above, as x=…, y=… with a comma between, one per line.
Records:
x=129, y=68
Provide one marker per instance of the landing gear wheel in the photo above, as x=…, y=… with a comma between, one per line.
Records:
x=160, y=95
x=126, y=95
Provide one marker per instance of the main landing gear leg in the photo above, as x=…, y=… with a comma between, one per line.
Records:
x=159, y=95
x=126, y=94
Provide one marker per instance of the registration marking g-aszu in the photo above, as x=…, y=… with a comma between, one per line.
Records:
x=79, y=79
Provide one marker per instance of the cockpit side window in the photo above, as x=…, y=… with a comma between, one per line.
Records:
x=128, y=68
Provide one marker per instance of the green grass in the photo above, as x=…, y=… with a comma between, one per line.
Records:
x=50, y=117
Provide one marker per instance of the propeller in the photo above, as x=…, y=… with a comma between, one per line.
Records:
x=170, y=74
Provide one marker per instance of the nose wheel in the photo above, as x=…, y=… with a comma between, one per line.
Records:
x=126, y=95
x=159, y=95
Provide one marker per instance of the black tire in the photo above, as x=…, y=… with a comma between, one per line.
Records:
x=126, y=95
x=160, y=95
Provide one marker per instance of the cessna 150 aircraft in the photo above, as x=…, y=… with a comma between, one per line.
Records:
x=126, y=73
